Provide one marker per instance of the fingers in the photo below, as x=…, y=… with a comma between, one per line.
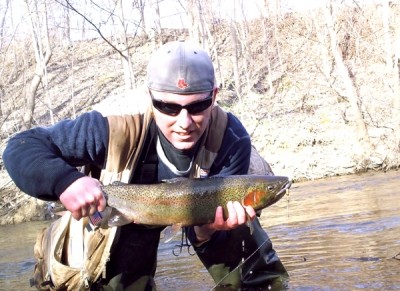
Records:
x=84, y=211
x=237, y=215
x=83, y=197
x=76, y=214
x=92, y=208
x=101, y=202
x=251, y=213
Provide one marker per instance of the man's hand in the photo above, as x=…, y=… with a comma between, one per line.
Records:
x=237, y=215
x=83, y=197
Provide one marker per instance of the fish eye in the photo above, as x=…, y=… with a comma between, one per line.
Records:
x=270, y=187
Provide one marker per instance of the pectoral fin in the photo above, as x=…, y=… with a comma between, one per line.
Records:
x=118, y=218
x=249, y=223
x=170, y=231
x=174, y=180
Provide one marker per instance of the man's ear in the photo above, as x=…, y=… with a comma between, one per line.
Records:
x=215, y=94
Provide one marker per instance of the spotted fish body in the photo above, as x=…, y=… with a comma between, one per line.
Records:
x=190, y=201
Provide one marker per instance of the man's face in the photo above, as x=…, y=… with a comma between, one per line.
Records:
x=181, y=128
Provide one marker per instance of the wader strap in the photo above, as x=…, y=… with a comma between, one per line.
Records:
x=146, y=167
x=92, y=171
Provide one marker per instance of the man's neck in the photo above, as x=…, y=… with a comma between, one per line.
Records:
x=181, y=159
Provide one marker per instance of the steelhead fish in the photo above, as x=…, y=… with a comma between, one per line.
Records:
x=186, y=201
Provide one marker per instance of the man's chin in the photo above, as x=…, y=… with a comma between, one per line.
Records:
x=184, y=145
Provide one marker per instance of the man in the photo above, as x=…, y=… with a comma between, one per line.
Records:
x=167, y=141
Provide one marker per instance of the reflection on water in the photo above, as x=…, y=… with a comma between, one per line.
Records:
x=16, y=254
x=335, y=234
x=341, y=233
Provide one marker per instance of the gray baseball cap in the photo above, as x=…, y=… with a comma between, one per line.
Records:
x=182, y=68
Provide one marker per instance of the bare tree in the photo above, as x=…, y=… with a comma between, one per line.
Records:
x=269, y=27
x=2, y=28
x=235, y=58
x=267, y=38
x=274, y=10
x=195, y=11
x=386, y=35
x=343, y=71
x=193, y=16
x=321, y=34
x=123, y=47
x=391, y=59
x=241, y=50
x=3, y=21
x=245, y=48
x=67, y=29
x=42, y=49
x=235, y=52
x=140, y=5
x=156, y=32
x=208, y=20
x=396, y=73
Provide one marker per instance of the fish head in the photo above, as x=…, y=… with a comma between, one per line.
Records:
x=266, y=191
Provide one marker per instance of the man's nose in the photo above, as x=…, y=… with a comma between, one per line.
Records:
x=184, y=119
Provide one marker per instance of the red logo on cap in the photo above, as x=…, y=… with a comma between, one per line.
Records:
x=182, y=84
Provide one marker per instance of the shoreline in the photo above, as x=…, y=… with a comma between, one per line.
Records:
x=26, y=208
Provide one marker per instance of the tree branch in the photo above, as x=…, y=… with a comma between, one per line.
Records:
x=69, y=6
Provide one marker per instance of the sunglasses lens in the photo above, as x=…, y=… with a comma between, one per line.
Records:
x=174, y=109
x=198, y=107
x=167, y=108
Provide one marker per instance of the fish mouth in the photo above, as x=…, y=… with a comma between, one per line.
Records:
x=284, y=190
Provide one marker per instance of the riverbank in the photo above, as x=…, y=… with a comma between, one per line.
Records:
x=18, y=207
x=301, y=145
x=296, y=107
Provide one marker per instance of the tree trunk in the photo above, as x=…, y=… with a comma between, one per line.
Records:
x=267, y=59
x=201, y=24
x=235, y=53
x=246, y=51
x=3, y=21
x=124, y=48
x=235, y=59
x=2, y=82
x=396, y=97
x=192, y=12
x=386, y=35
x=157, y=35
x=42, y=59
x=141, y=7
x=326, y=60
x=216, y=60
x=343, y=71
x=67, y=30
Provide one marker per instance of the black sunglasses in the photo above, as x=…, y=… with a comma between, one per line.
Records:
x=174, y=109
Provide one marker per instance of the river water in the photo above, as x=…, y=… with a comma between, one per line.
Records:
x=339, y=233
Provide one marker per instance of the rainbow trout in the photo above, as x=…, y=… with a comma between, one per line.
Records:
x=186, y=201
